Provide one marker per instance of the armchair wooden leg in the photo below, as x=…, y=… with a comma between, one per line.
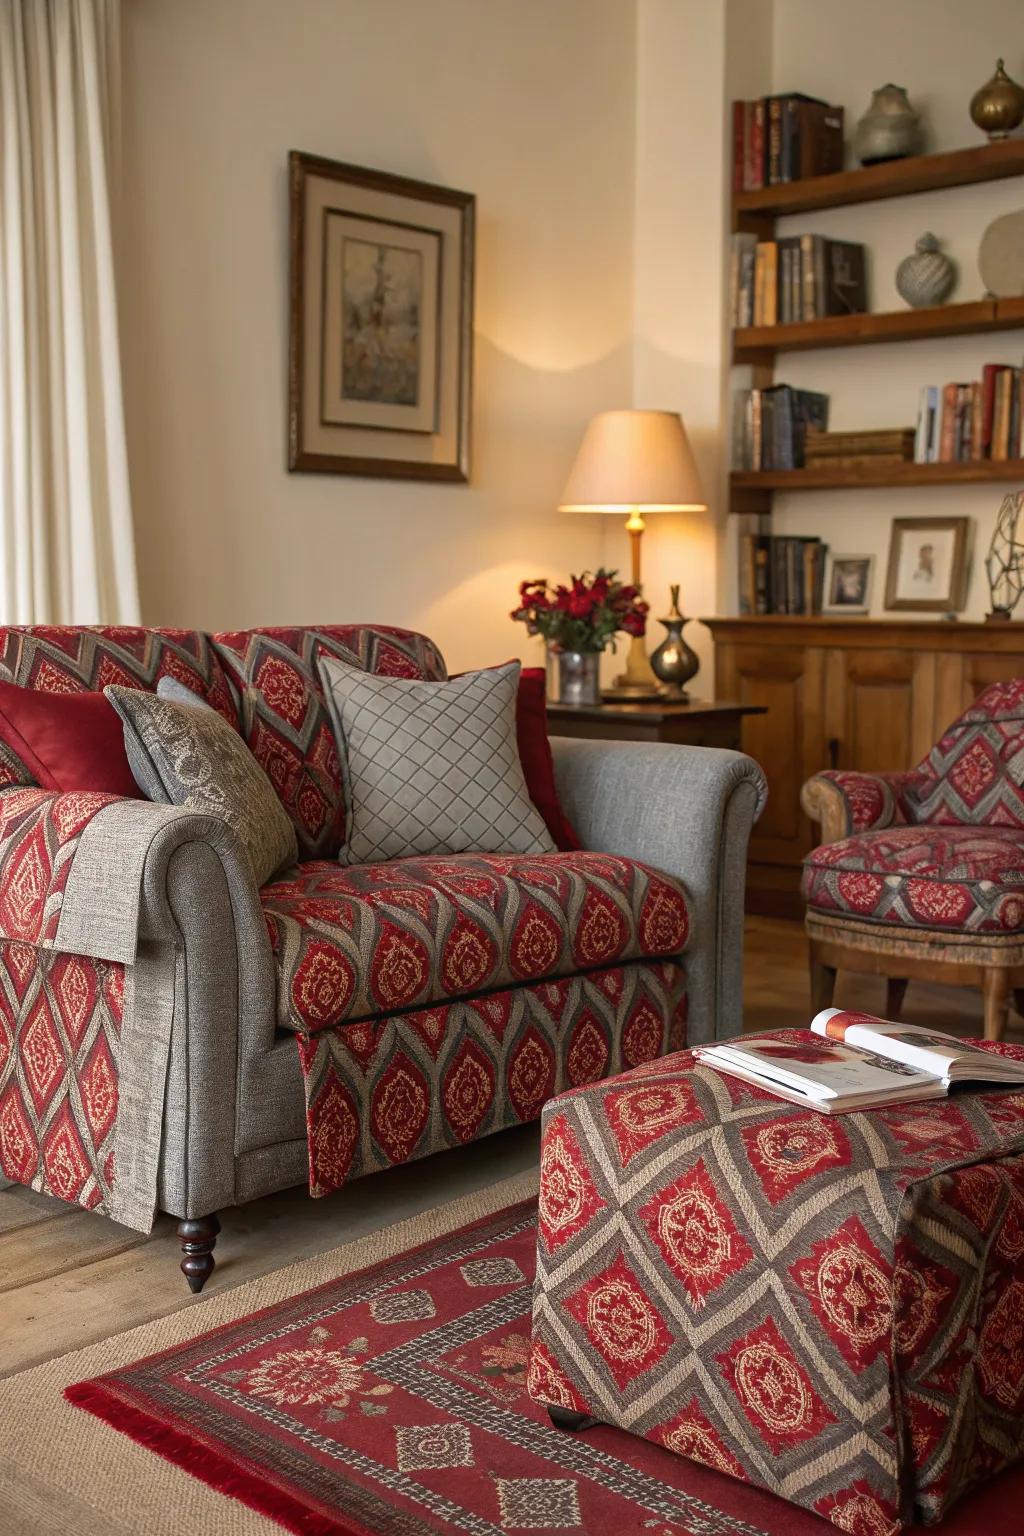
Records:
x=823, y=983
x=996, y=992
x=895, y=992
x=198, y=1238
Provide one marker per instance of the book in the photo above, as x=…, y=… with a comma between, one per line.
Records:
x=849, y=1061
x=818, y=145
x=784, y=138
x=845, y=285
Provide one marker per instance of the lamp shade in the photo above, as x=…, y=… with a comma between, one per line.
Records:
x=634, y=461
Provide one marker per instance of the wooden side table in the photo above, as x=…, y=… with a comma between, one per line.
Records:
x=698, y=723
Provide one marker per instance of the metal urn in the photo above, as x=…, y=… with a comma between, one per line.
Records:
x=998, y=108
x=674, y=663
x=890, y=129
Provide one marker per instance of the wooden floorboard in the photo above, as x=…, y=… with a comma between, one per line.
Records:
x=69, y=1277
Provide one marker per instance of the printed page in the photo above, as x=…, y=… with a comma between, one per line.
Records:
x=926, y=1050
x=825, y=1069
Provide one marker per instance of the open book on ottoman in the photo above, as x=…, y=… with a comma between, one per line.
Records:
x=859, y=1062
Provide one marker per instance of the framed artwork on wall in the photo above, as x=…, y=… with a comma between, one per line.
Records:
x=848, y=580
x=380, y=323
x=927, y=570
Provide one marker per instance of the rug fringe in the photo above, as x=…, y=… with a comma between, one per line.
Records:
x=209, y=1466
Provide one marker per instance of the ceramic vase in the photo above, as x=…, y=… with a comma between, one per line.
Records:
x=574, y=677
x=674, y=663
x=926, y=277
x=998, y=108
x=890, y=129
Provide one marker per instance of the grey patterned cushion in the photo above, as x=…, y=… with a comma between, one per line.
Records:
x=181, y=755
x=431, y=768
x=168, y=687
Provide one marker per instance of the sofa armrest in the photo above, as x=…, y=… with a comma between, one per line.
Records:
x=844, y=802
x=688, y=811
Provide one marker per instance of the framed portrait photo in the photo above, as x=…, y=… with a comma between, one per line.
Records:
x=848, y=580
x=927, y=570
x=380, y=323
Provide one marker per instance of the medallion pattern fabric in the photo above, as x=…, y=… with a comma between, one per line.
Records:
x=284, y=716
x=353, y=943
x=788, y=1297
x=975, y=775
x=39, y=833
x=387, y=1090
x=871, y=801
x=964, y=878
x=60, y=1025
x=190, y=757
x=56, y=659
x=431, y=768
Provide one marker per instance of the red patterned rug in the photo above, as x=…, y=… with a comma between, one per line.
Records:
x=391, y=1403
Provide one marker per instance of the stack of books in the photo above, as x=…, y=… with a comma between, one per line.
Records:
x=800, y=277
x=770, y=426
x=849, y=450
x=784, y=138
x=780, y=574
x=958, y=423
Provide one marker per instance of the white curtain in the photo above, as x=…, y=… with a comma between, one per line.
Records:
x=66, y=546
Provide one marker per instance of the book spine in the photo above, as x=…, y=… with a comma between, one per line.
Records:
x=790, y=169
x=807, y=275
x=747, y=579
x=989, y=375
x=1001, y=419
x=775, y=106
x=762, y=575
x=759, y=277
x=820, y=278
x=779, y=598
x=947, y=436
x=933, y=424
x=1013, y=447
x=785, y=272
x=738, y=145
x=771, y=283
x=756, y=423
x=757, y=146
x=921, y=435
x=977, y=446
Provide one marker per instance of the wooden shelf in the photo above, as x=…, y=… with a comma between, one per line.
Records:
x=868, y=476
x=755, y=344
x=873, y=183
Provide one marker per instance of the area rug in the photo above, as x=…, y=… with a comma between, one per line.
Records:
x=390, y=1402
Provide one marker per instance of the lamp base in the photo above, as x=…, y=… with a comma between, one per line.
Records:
x=637, y=681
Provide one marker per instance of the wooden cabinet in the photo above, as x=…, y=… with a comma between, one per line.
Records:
x=844, y=693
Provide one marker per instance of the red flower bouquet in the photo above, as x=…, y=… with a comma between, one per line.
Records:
x=586, y=615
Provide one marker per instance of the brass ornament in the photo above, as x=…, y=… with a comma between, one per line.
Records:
x=998, y=108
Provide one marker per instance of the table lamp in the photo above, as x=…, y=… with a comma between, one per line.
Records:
x=634, y=462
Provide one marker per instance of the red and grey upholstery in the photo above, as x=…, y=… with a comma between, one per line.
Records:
x=940, y=847
x=827, y=1307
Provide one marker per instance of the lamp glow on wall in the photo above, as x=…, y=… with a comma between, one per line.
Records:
x=634, y=463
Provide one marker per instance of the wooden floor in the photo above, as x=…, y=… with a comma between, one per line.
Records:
x=69, y=1277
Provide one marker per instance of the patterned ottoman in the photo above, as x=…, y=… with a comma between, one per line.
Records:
x=832, y=1309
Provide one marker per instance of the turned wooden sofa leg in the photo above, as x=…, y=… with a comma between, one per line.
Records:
x=996, y=992
x=895, y=992
x=823, y=982
x=198, y=1237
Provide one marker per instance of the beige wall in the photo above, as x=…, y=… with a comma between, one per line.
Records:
x=941, y=50
x=528, y=103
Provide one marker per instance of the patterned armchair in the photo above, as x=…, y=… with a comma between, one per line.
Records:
x=921, y=874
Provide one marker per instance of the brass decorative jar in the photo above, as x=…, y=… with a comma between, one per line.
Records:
x=998, y=108
x=674, y=663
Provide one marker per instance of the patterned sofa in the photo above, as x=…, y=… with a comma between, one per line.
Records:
x=173, y=1038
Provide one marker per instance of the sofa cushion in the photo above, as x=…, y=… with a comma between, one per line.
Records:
x=181, y=755
x=969, y=879
x=358, y=942
x=430, y=769
x=67, y=741
x=284, y=717
x=51, y=658
x=974, y=776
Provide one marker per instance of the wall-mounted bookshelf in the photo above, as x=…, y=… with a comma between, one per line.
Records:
x=757, y=346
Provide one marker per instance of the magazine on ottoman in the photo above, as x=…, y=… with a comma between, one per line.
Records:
x=860, y=1062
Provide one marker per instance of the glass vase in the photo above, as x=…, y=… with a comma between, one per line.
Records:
x=574, y=677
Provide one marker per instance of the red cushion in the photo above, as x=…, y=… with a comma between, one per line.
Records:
x=535, y=755
x=67, y=741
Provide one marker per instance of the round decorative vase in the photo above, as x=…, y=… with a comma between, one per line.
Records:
x=1001, y=256
x=674, y=663
x=998, y=108
x=574, y=677
x=890, y=129
x=927, y=277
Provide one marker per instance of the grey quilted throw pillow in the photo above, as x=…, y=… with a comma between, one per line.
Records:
x=431, y=768
x=181, y=755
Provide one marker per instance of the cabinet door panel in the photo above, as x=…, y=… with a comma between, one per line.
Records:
x=787, y=741
x=870, y=707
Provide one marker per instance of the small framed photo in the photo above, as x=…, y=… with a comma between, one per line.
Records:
x=927, y=570
x=848, y=580
x=380, y=323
